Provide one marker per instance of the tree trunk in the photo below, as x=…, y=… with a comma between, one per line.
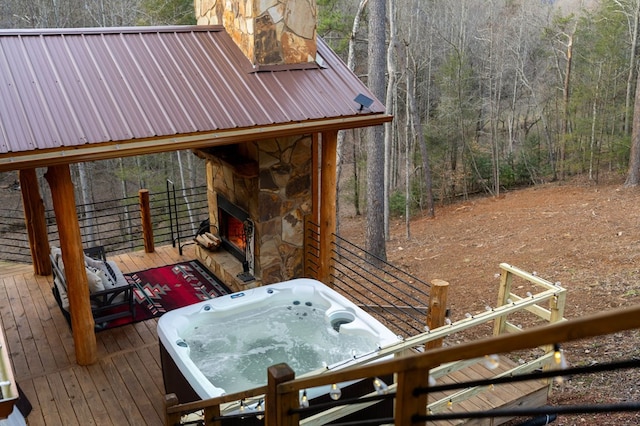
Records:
x=389, y=100
x=566, y=97
x=351, y=60
x=374, y=234
x=632, y=67
x=633, y=177
x=417, y=132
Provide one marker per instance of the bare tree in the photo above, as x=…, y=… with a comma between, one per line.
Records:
x=374, y=232
x=340, y=149
x=390, y=96
x=633, y=176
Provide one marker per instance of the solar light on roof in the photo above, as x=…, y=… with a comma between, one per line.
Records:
x=364, y=101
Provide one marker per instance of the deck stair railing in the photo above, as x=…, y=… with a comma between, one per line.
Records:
x=536, y=301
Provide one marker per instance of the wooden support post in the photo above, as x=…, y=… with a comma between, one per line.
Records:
x=437, y=312
x=408, y=404
x=145, y=217
x=277, y=406
x=315, y=178
x=171, y=400
x=503, y=295
x=211, y=412
x=327, y=205
x=64, y=205
x=35, y=221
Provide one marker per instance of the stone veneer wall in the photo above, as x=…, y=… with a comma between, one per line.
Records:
x=270, y=180
x=269, y=32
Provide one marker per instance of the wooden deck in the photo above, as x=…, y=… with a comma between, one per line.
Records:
x=125, y=386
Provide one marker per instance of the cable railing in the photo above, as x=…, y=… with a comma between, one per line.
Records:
x=395, y=297
x=114, y=224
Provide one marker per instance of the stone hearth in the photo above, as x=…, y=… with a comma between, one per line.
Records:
x=271, y=181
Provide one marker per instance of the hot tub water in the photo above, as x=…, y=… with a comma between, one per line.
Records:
x=237, y=351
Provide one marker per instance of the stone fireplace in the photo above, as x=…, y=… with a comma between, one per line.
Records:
x=269, y=32
x=259, y=194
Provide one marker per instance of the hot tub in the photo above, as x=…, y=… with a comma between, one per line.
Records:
x=226, y=344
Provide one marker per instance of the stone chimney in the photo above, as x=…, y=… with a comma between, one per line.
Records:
x=269, y=32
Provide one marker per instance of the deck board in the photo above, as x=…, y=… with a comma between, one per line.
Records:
x=125, y=386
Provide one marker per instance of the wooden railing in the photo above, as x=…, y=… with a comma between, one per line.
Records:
x=412, y=366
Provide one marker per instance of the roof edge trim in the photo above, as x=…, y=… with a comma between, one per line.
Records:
x=110, y=30
x=10, y=161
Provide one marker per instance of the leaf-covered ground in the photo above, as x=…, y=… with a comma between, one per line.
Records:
x=582, y=235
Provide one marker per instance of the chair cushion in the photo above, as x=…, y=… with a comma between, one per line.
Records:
x=95, y=279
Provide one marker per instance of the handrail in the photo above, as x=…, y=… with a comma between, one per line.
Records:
x=420, y=364
x=549, y=293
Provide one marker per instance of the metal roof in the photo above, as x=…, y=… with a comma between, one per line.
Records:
x=83, y=94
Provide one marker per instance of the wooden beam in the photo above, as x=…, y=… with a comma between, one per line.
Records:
x=35, y=221
x=145, y=216
x=327, y=204
x=64, y=205
x=132, y=147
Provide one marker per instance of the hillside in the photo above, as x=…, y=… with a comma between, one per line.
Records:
x=587, y=237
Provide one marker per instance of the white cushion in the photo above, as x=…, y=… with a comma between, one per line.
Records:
x=95, y=282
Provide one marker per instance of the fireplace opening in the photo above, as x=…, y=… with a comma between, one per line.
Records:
x=234, y=226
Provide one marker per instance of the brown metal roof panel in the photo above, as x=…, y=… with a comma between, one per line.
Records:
x=230, y=80
x=136, y=78
x=101, y=109
x=64, y=94
x=13, y=118
x=208, y=82
x=146, y=54
x=285, y=86
x=40, y=124
x=186, y=81
x=262, y=106
x=116, y=92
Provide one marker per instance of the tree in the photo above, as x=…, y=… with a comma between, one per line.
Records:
x=374, y=232
x=633, y=176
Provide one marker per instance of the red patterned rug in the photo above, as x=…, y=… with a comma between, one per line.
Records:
x=159, y=290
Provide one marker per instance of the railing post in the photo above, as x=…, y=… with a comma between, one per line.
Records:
x=210, y=412
x=277, y=406
x=145, y=216
x=173, y=419
x=503, y=295
x=328, y=198
x=437, y=312
x=408, y=404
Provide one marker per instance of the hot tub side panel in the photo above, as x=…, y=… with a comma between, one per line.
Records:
x=174, y=380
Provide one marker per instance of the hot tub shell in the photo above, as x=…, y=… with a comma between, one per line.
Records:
x=182, y=377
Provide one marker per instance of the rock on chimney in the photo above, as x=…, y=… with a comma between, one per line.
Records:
x=269, y=32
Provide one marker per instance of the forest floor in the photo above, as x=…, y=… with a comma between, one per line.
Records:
x=582, y=235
